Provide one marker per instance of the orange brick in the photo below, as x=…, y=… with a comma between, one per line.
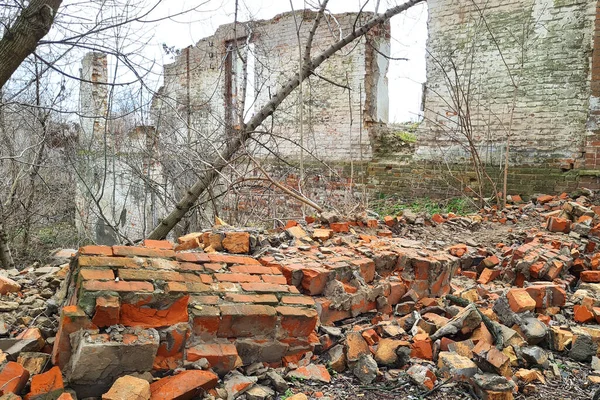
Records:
x=7, y=285
x=237, y=278
x=89, y=261
x=556, y=224
x=279, y=279
x=72, y=319
x=222, y=357
x=172, y=344
x=43, y=384
x=96, y=250
x=488, y=275
x=188, y=266
x=120, y=286
x=184, y=385
x=491, y=261
x=255, y=270
x=131, y=251
x=421, y=347
x=186, y=287
x=158, y=244
x=339, y=227
x=237, y=242
x=206, y=322
x=265, y=287
x=193, y=257
x=296, y=321
x=13, y=378
x=469, y=274
x=149, y=275
x=252, y=298
x=107, y=311
x=229, y=259
x=590, y=276
x=144, y=316
x=247, y=320
x=314, y=280
x=520, y=301
x=88, y=274
x=583, y=314
x=298, y=300
x=366, y=267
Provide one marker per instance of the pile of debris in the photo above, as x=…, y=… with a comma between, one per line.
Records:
x=240, y=313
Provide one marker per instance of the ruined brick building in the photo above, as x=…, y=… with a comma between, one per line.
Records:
x=519, y=74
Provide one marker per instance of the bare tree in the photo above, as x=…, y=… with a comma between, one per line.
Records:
x=246, y=131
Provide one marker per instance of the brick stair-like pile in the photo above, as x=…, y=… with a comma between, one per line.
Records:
x=177, y=307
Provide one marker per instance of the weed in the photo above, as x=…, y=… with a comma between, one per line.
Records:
x=288, y=393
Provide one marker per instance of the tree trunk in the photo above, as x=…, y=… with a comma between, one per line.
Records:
x=6, y=260
x=21, y=38
x=182, y=207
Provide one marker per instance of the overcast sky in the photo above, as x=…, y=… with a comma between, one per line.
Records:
x=409, y=34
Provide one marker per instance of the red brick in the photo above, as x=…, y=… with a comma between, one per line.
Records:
x=278, y=279
x=245, y=320
x=206, y=322
x=158, y=244
x=149, y=275
x=170, y=350
x=556, y=224
x=397, y=291
x=255, y=270
x=88, y=274
x=96, y=250
x=488, y=275
x=131, y=251
x=314, y=280
x=298, y=300
x=543, y=199
x=582, y=314
x=491, y=261
x=188, y=266
x=186, y=385
x=186, y=287
x=366, y=267
x=89, y=261
x=237, y=278
x=328, y=315
x=237, y=242
x=421, y=347
x=520, y=301
x=252, y=298
x=144, y=316
x=229, y=259
x=208, y=300
x=120, y=286
x=590, y=276
x=296, y=321
x=46, y=383
x=339, y=227
x=107, y=311
x=222, y=357
x=264, y=287
x=193, y=257
x=72, y=319
x=7, y=285
x=13, y=378
x=214, y=267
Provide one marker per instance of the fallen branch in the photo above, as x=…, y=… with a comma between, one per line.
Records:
x=489, y=324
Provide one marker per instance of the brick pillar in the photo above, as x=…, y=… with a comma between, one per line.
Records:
x=592, y=144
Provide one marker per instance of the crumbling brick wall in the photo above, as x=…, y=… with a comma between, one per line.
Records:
x=540, y=48
x=203, y=86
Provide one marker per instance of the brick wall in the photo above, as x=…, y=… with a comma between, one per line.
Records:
x=545, y=46
x=204, y=81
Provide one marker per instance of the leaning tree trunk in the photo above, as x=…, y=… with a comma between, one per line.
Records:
x=202, y=184
x=21, y=38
